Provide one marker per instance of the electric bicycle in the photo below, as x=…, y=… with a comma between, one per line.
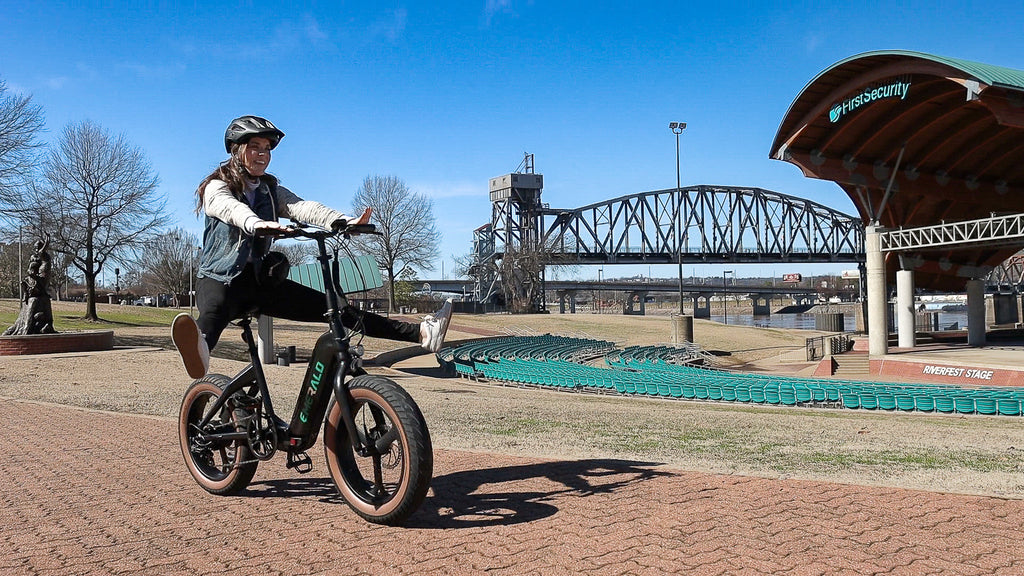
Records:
x=376, y=441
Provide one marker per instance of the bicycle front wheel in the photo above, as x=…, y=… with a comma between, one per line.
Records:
x=387, y=486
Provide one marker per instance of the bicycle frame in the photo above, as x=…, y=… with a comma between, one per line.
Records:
x=331, y=359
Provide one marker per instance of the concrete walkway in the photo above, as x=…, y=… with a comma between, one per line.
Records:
x=87, y=492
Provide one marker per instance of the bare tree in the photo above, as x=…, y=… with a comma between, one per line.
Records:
x=408, y=234
x=517, y=271
x=20, y=122
x=99, y=200
x=10, y=273
x=170, y=261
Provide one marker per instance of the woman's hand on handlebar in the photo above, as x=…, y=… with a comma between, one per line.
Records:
x=363, y=219
x=271, y=228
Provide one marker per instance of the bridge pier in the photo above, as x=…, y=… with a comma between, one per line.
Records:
x=702, y=306
x=1003, y=309
x=635, y=297
x=562, y=295
x=762, y=305
x=804, y=299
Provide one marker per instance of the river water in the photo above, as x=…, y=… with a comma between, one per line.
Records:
x=806, y=321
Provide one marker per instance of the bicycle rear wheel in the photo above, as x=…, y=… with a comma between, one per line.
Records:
x=219, y=467
x=384, y=488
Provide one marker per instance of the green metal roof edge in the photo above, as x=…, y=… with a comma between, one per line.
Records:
x=988, y=73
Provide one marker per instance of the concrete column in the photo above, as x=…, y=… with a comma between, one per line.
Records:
x=975, y=313
x=634, y=300
x=682, y=328
x=1004, y=309
x=905, y=308
x=562, y=296
x=878, y=335
x=265, y=338
x=1018, y=300
x=762, y=306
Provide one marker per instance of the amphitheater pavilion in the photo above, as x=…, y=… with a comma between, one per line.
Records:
x=931, y=151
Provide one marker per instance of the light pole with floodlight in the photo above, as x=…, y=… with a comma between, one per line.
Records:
x=194, y=251
x=677, y=129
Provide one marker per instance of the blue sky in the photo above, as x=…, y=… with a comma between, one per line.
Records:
x=447, y=95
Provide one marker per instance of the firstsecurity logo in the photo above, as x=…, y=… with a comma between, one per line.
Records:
x=895, y=89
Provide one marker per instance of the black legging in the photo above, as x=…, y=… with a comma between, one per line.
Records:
x=220, y=303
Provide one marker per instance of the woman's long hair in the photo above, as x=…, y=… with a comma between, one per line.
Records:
x=233, y=173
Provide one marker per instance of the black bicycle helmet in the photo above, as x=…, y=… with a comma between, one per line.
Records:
x=245, y=127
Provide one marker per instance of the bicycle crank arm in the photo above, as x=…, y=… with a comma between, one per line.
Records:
x=224, y=438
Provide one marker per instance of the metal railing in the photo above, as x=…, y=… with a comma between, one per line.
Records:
x=821, y=346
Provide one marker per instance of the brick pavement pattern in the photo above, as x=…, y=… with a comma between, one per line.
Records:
x=87, y=492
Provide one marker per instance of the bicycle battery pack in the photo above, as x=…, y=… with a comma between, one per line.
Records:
x=315, y=394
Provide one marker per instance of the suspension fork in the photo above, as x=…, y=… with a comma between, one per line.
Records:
x=342, y=396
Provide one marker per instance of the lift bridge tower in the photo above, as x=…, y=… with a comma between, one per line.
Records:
x=514, y=226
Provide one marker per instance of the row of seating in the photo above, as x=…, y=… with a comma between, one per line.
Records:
x=658, y=371
x=683, y=354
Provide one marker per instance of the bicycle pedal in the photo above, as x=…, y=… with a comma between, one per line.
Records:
x=301, y=462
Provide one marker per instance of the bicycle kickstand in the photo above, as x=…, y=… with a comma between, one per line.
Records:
x=300, y=462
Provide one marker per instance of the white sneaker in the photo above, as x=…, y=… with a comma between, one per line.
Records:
x=189, y=341
x=435, y=326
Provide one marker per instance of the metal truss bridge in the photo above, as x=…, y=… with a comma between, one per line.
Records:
x=695, y=224
x=700, y=224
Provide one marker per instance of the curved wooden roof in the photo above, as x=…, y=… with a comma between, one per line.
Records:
x=952, y=129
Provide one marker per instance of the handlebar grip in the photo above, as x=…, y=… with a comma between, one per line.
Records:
x=361, y=229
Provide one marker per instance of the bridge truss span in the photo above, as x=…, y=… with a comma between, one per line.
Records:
x=702, y=224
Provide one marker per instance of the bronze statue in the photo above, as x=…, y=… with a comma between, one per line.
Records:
x=36, y=315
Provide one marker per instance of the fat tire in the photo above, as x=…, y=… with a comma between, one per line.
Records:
x=201, y=394
x=415, y=468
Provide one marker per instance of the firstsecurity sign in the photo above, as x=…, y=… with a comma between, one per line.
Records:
x=898, y=88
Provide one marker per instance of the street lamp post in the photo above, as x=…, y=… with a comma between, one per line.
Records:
x=191, y=297
x=725, y=296
x=677, y=129
x=599, y=272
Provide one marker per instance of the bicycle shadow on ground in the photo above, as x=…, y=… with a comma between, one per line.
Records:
x=490, y=496
x=497, y=496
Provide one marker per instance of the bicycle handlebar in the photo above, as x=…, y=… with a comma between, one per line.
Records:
x=302, y=230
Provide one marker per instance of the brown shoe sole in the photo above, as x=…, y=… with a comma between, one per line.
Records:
x=185, y=335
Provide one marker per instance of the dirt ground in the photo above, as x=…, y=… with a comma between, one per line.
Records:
x=948, y=453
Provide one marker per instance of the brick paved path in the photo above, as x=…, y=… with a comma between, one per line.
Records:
x=88, y=492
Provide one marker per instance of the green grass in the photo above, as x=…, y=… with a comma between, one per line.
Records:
x=919, y=460
x=67, y=316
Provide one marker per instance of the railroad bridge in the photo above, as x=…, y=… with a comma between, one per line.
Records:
x=702, y=224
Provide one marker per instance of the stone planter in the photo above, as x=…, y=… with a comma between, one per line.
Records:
x=84, y=341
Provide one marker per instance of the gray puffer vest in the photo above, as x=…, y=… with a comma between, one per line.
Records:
x=226, y=248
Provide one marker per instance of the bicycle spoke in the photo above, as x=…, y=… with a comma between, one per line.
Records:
x=378, y=477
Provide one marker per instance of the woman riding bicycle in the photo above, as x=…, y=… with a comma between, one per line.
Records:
x=237, y=271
